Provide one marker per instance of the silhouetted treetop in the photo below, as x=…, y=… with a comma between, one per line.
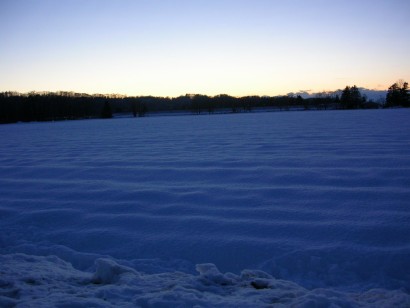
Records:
x=351, y=98
x=398, y=95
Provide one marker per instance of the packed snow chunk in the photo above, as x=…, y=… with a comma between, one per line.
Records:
x=257, y=279
x=209, y=273
x=249, y=274
x=110, y=272
x=39, y=281
x=260, y=284
x=33, y=281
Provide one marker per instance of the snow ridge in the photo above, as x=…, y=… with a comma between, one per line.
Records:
x=51, y=282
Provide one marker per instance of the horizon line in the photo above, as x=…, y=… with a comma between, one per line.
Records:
x=120, y=95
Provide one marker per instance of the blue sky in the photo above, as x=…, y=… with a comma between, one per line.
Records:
x=173, y=47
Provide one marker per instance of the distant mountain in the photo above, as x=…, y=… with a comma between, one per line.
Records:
x=378, y=96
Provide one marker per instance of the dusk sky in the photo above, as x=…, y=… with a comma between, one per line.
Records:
x=174, y=47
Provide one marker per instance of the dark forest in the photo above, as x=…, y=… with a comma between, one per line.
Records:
x=55, y=106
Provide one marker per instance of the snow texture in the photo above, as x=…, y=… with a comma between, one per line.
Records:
x=49, y=281
x=171, y=211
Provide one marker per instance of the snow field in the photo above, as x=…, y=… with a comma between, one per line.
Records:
x=317, y=198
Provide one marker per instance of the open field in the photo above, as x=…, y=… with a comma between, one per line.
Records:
x=318, y=200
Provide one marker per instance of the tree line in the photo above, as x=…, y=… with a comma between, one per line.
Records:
x=398, y=95
x=54, y=106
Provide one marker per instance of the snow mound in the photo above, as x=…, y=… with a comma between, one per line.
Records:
x=38, y=281
x=109, y=272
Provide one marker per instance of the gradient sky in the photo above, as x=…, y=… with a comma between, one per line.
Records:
x=174, y=47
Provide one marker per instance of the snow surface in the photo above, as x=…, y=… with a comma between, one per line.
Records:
x=171, y=211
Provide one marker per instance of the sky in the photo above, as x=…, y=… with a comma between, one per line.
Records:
x=174, y=47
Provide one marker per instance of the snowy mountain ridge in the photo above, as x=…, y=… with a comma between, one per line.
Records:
x=378, y=96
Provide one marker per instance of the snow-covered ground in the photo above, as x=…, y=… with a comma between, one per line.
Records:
x=302, y=208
